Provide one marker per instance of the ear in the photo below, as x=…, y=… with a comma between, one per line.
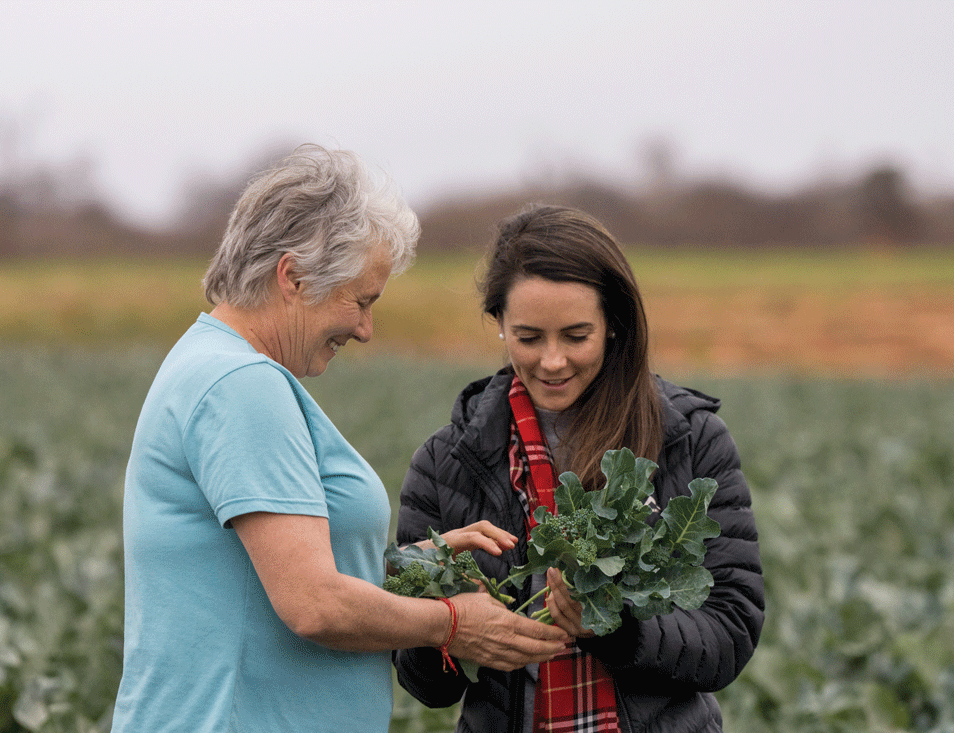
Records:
x=289, y=282
x=500, y=326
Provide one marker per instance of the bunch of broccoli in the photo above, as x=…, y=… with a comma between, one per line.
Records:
x=437, y=572
x=611, y=553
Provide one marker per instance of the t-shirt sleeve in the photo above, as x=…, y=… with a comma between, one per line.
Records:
x=250, y=449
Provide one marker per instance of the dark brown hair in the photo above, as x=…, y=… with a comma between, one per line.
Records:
x=621, y=407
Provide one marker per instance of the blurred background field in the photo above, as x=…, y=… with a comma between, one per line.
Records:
x=834, y=371
x=851, y=311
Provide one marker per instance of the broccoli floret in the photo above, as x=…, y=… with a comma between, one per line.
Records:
x=571, y=527
x=466, y=563
x=579, y=522
x=465, y=560
x=585, y=551
x=656, y=556
x=410, y=581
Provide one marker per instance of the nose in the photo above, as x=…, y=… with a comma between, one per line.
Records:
x=552, y=359
x=365, y=327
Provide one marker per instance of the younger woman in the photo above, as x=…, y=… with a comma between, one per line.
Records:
x=578, y=383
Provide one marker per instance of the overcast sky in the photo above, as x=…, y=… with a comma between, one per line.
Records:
x=449, y=96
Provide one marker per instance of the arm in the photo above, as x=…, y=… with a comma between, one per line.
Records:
x=292, y=556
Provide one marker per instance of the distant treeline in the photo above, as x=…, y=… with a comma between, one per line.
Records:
x=877, y=209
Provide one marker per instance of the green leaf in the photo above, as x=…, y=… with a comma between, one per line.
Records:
x=601, y=609
x=690, y=587
x=654, y=607
x=611, y=566
x=400, y=558
x=619, y=467
x=587, y=580
x=569, y=494
x=642, y=591
x=686, y=520
x=469, y=668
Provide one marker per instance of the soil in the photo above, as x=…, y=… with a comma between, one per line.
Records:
x=860, y=333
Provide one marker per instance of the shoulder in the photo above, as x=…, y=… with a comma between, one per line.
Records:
x=479, y=427
x=482, y=399
x=214, y=373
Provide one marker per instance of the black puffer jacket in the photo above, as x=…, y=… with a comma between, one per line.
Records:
x=664, y=669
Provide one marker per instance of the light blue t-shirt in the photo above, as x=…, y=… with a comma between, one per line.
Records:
x=224, y=431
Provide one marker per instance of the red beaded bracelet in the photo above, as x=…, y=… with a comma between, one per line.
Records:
x=450, y=636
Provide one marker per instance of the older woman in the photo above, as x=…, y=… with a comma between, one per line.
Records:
x=254, y=533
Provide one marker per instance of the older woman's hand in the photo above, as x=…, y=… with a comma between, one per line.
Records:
x=567, y=613
x=480, y=535
x=492, y=636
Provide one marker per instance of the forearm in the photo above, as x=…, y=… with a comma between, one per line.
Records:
x=292, y=556
x=351, y=614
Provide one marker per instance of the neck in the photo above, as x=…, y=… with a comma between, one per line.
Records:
x=252, y=325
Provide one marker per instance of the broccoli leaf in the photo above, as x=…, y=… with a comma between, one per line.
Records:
x=601, y=609
x=690, y=588
x=686, y=520
x=569, y=493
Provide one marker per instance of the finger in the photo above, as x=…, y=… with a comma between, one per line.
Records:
x=536, y=630
x=481, y=535
x=500, y=537
x=569, y=622
x=566, y=611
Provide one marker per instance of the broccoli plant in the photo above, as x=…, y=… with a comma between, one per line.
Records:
x=610, y=554
x=437, y=572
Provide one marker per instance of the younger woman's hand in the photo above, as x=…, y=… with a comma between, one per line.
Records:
x=480, y=535
x=567, y=613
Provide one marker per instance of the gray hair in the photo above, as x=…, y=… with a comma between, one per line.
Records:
x=322, y=207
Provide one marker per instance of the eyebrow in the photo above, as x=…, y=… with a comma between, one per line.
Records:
x=574, y=327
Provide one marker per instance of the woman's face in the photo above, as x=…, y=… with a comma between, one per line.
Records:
x=555, y=333
x=321, y=329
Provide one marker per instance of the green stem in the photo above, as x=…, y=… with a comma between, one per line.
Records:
x=495, y=592
x=532, y=598
x=543, y=615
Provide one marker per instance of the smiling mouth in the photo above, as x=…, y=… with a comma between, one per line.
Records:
x=555, y=382
x=335, y=346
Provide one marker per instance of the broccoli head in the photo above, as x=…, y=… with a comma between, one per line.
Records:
x=410, y=581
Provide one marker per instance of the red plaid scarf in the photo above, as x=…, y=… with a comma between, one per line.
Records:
x=574, y=693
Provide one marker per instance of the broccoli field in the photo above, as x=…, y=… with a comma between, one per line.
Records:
x=853, y=486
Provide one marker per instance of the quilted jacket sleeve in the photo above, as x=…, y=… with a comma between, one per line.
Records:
x=420, y=671
x=705, y=649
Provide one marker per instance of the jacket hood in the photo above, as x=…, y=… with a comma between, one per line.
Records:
x=476, y=412
x=678, y=404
